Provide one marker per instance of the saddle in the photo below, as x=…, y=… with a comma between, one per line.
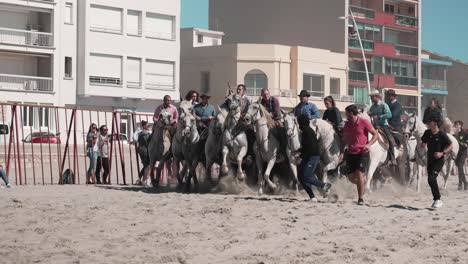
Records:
x=383, y=140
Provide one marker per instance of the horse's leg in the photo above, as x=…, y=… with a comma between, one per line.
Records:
x=209, y=164
x=268, y=169
x=295, y=179
x=240, y=158
x=261, y=181
x=446, y=173
x=419, y=170
x=224, y=166
x=370, y=173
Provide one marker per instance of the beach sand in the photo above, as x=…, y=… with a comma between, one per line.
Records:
x=128, y=224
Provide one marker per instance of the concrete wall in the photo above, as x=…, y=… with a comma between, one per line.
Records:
x=293, y=22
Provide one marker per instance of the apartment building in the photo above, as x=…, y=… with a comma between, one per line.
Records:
x=111, y=54
x=390, y=32
x=209, y=65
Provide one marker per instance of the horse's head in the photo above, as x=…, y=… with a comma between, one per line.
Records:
x=188, y=121
x=411, y=125
x=292, y=131
x=217, y=125
x=254, y=113
x=164, y=118
x=185, y=107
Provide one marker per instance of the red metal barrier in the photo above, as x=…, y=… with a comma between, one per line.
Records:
x=35, y=143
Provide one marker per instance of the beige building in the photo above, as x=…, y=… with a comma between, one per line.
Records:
x=284, y=70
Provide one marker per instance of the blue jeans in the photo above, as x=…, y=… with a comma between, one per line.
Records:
x=92, y=155
x=4, y=177
x=306, y=174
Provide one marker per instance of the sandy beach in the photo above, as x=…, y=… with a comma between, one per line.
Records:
x=128, y=224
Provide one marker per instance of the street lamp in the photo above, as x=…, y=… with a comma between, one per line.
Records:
x=362, y=48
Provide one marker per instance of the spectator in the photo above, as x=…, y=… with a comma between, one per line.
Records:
x=142, y=142
x=435, y=109
x=103, y=158
x=462, y=137
x=4, y=177
x=92, y=151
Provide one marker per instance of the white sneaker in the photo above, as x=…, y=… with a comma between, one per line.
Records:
x=8, y=186
x=437, y=204
x=313, y=200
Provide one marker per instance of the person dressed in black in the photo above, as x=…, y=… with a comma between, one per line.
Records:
x=310, y=155
x=438, y=145
x=332, y=114
x=434, y=109
x=395, y=107
x=462, y=138
x=143, y=141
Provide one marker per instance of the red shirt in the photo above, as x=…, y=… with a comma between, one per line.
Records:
x=357, y=135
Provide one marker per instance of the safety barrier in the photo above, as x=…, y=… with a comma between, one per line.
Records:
x=39, y=142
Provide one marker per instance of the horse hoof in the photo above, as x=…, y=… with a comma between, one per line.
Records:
x=225, y=169
x=368, y=191
x=241, y=176
x=260, y=191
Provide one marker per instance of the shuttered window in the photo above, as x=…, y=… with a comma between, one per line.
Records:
x=133, y=72
x=159, y=26
x=134, y=22
x=159, y=75
x=105, y=69
x=106, y=19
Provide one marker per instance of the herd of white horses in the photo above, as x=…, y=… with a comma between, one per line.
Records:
x=226, y=145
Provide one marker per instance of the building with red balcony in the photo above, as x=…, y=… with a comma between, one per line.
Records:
x=390, y=33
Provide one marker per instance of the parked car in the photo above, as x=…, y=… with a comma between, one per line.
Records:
x=4, y=132
x=44, y=137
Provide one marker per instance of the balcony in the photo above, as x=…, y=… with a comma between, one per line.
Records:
x=406, y=21
x=362, y=12
x=360, y=76
x=343, y=98
x=434, y=84
x=25, y=83
x=406, y=81
x=406, y=50
x=26, y=38
x=367, y=44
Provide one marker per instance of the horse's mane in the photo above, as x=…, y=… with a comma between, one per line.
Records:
x=267, y=115
x=185, y=105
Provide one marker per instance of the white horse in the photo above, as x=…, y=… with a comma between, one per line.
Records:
x=214, y=142
x=329, y=143
x=416, y=128
x=159, y=147
x=268, y=147
x=184, y=108
x=378, y=155
x=234, y=139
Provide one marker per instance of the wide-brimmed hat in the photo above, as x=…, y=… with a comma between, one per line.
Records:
x=205, y=95
x=374, y=93
x=304, y=93
x=391, y=92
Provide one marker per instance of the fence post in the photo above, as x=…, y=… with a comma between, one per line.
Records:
x=17, y=146
x=66, y=147
x=122, y=161
x=111, y=148
x=13, y=112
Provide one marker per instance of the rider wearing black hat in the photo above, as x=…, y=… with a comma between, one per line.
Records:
x=396, y=109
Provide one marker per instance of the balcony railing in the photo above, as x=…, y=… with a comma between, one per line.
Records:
x=434, y=84
x=406, y=20
x=406, y=50
x=343, y=98
x=101, y=80
x=366, y=44
x=25, y=83
x=26, y=37
x=360, y=76
x=160, y=35
x=363, y=12
x=406, y=81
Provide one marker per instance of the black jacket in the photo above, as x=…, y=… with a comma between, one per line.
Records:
x=429, y=112
x=333, y=116
x=309, y=143
x=396, y=110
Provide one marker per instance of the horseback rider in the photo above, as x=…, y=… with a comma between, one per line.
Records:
x=167, y=104
x=204, y=113
x=272, y=105
x=396, y=109
x=333, y=114
x=434, y=109
x=306, y=107
x=244, y=104
x=380, y=114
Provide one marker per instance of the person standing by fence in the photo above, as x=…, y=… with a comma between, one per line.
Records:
x=103, y=158
x=143, y=139
x=92, y=151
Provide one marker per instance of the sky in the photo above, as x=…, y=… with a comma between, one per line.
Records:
x=445, y=23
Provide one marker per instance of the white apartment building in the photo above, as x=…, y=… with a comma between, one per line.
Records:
x=113, y=54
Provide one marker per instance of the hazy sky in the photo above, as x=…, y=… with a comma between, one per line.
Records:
x=445, y=24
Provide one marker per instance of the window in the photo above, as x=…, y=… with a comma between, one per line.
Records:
x=400, y=67
x=28, y=116
x=361, y=95
x=376, y=62
x=106, y=19
x=370, y=31
x=134, y=23
x=255, y=81
x=205, y=82
x=159, y=75
x=200, y=38
x=335, y=86
x=159, y=26
x=68, y=67
x=133, y=72
x=389, y=8
x=105, y=69
x=68, y=19
x=314, y=84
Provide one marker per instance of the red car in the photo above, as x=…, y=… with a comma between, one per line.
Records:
x=44, y=137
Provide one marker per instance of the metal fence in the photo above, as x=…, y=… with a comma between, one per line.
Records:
x=38, y=143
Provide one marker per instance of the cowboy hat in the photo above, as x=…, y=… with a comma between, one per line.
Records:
x=205, y=95
x=391, y=92
x=304, y=93
x=374, y=93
